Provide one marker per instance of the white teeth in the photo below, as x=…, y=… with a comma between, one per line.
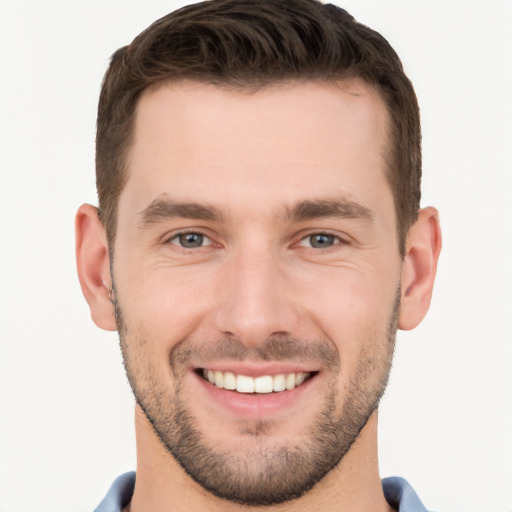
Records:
x=290, y=381
x=219, y=379
x=229, y=381
x=299, y=378
x=244, y=384
x=262, y=384
x=279, y=382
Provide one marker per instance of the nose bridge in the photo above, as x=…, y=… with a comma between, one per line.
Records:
x=255, y=301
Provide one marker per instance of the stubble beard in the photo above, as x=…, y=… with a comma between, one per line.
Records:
x=263, y=475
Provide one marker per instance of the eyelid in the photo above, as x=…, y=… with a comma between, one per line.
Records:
x=169, y=238
x=338, y=239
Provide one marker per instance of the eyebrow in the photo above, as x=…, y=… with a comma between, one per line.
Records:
x=162, y=209
x=315, y=209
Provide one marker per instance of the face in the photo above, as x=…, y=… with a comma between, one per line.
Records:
x=256, y=279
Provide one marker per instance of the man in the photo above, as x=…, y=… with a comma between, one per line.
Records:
x=258, y=242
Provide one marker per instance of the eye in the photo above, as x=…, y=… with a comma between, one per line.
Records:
x=320, y=241
x=190, y=240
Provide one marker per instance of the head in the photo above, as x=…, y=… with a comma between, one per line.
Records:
x=259, y=239
x=251, y=45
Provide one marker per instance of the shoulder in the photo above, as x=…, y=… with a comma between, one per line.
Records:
x=398, y=492
x=401, y=496
x=119, y=494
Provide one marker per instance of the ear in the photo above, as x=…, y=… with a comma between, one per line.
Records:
x=93, y=266
x=419, y=268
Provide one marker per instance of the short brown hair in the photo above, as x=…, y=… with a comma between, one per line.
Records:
x=251, y=44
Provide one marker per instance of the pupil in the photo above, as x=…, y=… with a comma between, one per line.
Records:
x=321, y=240
x=191, y=240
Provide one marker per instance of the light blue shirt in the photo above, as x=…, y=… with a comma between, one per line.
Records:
x=399, y=494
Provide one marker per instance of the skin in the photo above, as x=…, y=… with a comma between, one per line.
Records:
x=253, y=159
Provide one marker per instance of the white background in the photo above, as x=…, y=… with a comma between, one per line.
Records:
x=66, y=409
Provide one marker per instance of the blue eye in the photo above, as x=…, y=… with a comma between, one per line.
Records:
x=190, y=240
x=320, y=241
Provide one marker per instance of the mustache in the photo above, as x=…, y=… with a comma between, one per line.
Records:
x=276, y=348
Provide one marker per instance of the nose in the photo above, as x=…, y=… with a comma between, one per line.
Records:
x=255, y=298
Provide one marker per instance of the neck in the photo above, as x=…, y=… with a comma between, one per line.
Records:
x=162, y=484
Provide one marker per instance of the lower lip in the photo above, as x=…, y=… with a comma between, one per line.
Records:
x=256, y=405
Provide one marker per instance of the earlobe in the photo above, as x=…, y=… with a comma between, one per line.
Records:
x=419, y=268
x=93, y=266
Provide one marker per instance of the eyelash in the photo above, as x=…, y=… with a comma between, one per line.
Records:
x=177, y=236
x=335, y=240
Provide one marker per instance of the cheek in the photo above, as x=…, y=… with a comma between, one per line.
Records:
x=163, y=307
x=352, y=308
x=350, y=305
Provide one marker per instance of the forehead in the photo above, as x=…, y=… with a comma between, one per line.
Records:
x=278, y=143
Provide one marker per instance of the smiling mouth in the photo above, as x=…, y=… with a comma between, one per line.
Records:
x=262, y=384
